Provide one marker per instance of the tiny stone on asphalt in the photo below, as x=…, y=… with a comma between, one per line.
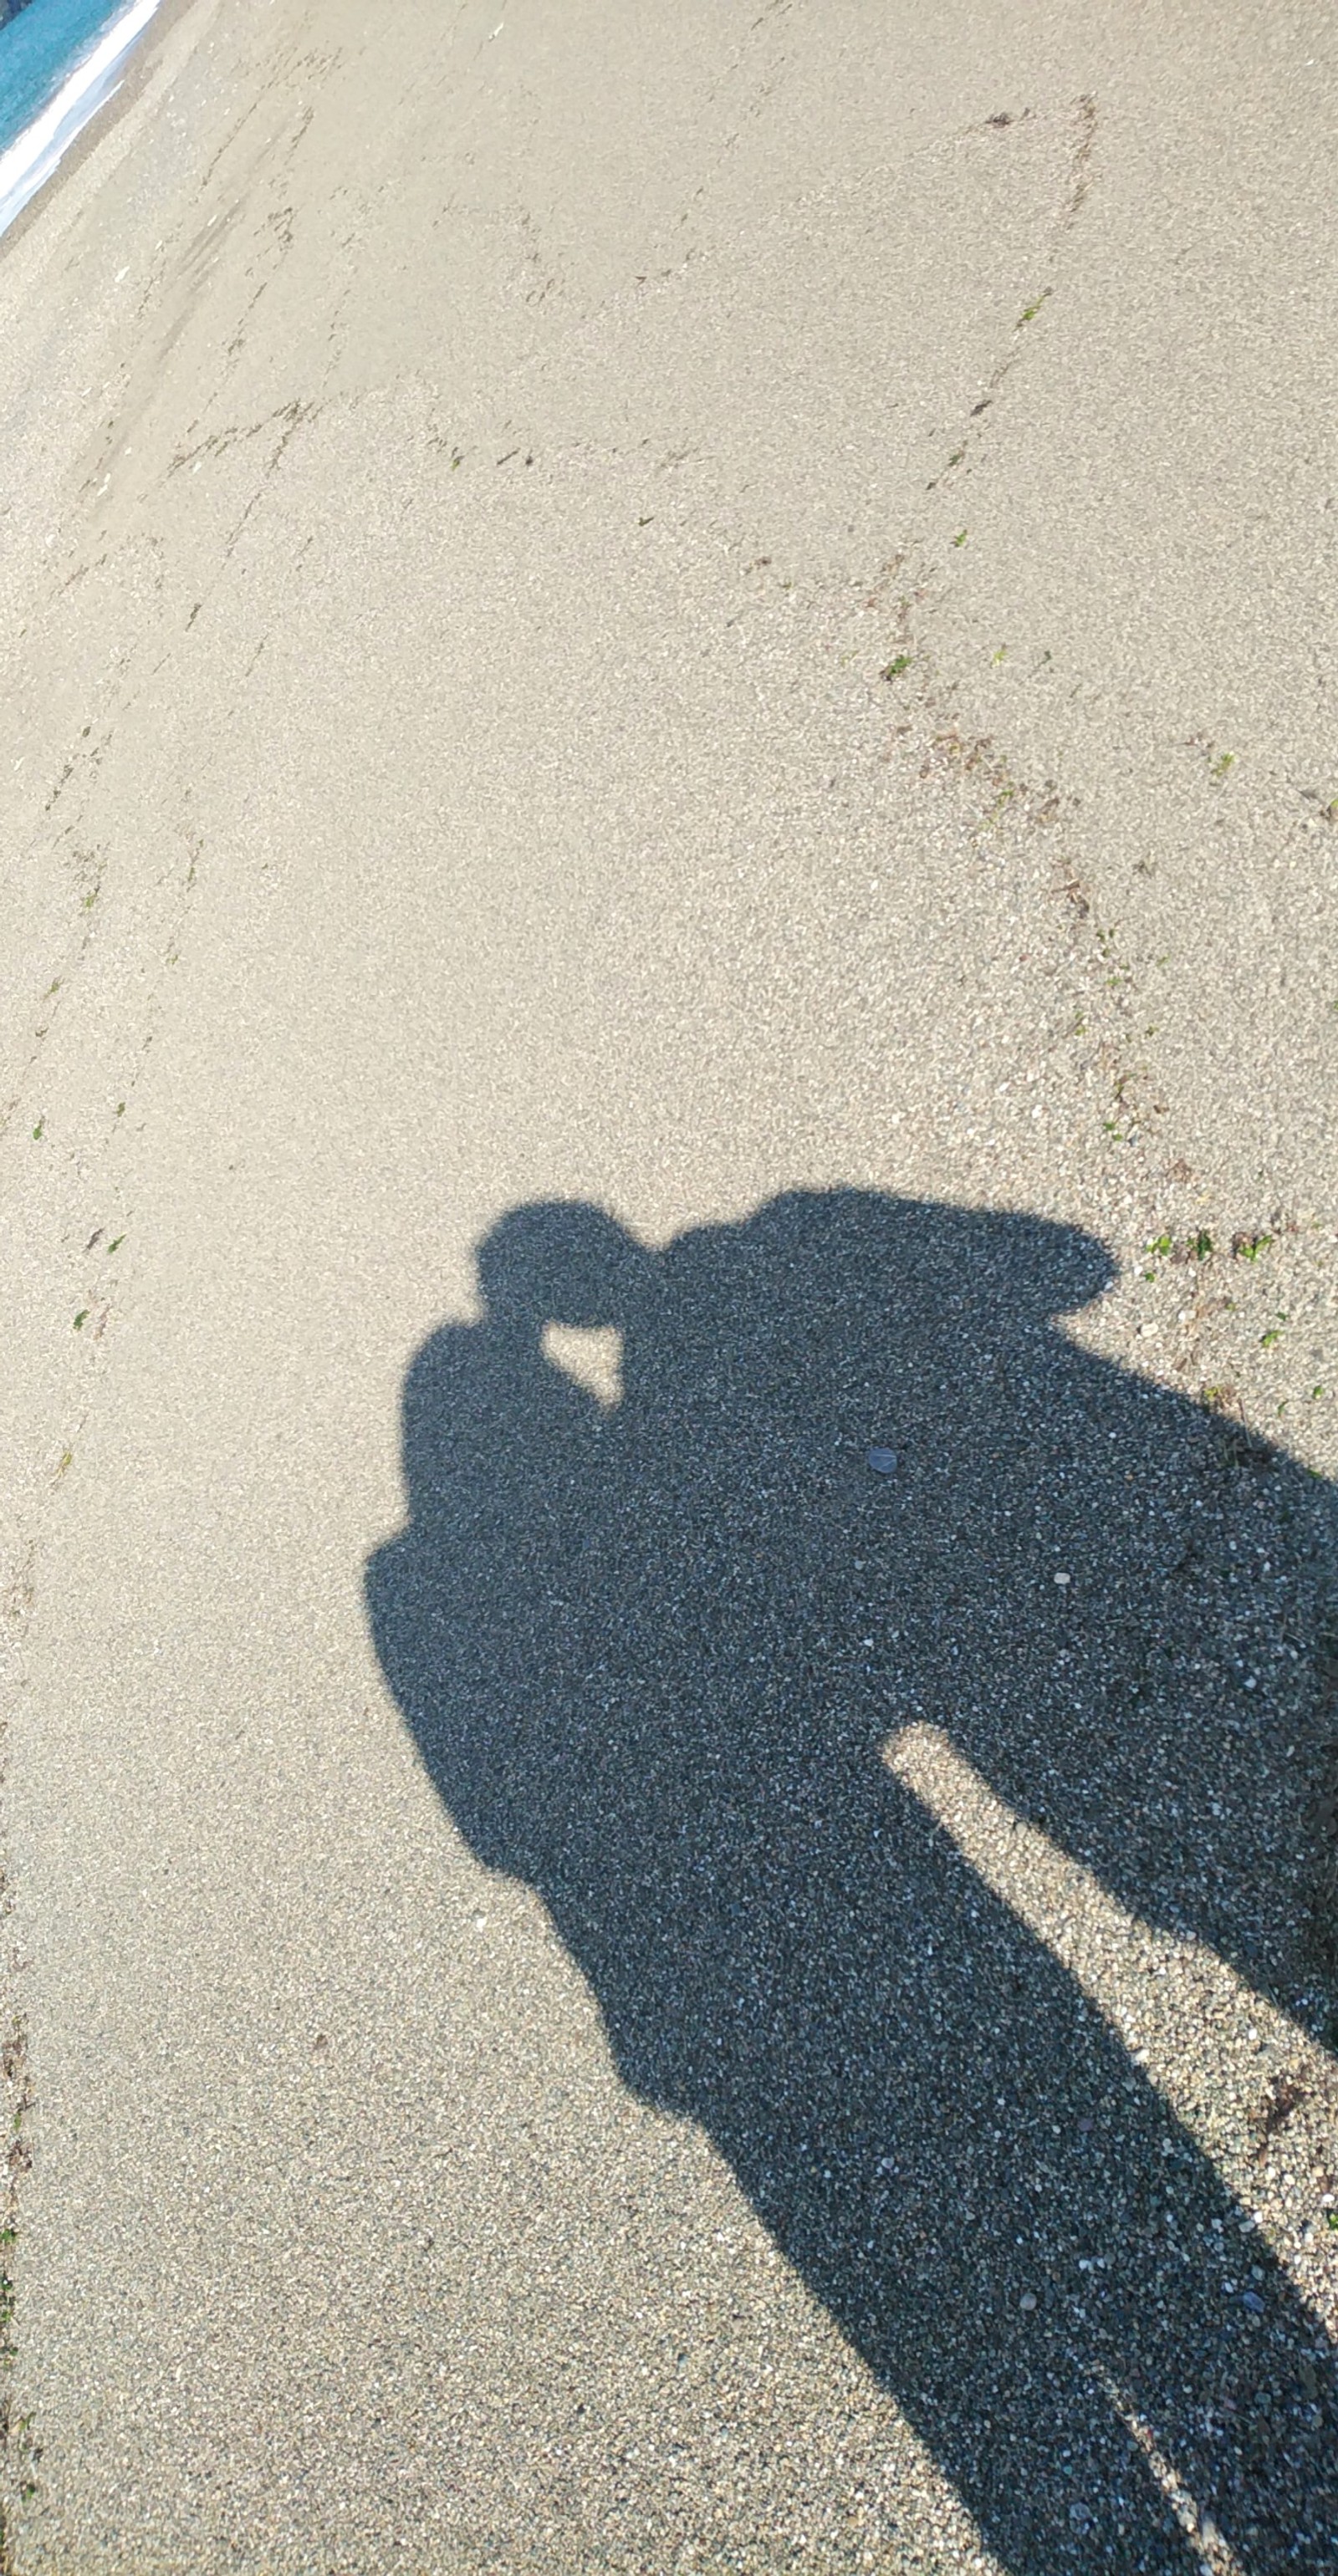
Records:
x=882, y=1461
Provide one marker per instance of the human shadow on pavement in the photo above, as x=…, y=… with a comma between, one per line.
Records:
x=653, y=1655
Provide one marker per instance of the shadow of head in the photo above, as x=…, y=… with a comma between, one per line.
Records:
x=562, y=1261
x=895, y=1262
x=565, y=1261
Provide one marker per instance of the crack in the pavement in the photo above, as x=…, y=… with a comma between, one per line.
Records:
x=20, y=2447
x=1079, y=181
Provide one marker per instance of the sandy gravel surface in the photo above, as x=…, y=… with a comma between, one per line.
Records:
x=668, y=1048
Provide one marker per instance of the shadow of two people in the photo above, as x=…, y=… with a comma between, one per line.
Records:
x=652, y=1657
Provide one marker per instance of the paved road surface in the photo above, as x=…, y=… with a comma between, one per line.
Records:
x=670, y=815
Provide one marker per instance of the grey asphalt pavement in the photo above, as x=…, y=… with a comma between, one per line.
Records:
x=670, y=810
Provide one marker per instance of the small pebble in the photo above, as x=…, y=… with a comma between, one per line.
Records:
x=883, y=1461
x=1063, y=1580
x=1028, y=2302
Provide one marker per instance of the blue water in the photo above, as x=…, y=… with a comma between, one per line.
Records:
x=59, y=61
x=39, y=48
